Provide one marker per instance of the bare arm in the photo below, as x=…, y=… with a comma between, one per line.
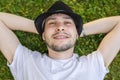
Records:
x=15, y=22
x=8, y=40
x=110, y=45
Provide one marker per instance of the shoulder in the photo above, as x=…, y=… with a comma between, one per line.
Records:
x=24, y=52
x=92, y=57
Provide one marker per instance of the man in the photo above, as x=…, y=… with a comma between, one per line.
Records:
x=59, y=27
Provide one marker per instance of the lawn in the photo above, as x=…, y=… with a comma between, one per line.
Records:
x=88, y=9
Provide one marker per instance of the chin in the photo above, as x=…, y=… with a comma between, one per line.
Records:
x=61, y=48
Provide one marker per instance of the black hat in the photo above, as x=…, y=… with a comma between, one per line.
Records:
x=58, y=7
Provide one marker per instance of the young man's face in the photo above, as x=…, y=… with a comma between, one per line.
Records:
x=60, y=32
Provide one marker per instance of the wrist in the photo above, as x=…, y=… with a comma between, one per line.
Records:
x=83, y=34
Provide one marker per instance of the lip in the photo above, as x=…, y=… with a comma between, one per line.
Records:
x=60, y=37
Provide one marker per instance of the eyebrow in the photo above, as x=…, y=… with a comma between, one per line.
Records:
x=52, y=18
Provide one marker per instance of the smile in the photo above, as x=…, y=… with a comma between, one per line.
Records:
x=60, y=37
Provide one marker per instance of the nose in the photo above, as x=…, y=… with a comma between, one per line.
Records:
x=60, y=28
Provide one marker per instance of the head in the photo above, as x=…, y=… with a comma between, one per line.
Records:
x=59, y=27
x=60, y=33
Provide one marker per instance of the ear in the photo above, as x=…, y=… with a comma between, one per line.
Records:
x=43, y=36
x=77, y=36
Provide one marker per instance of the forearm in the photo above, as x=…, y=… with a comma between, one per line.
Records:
x=103, y=25
x=18, y=23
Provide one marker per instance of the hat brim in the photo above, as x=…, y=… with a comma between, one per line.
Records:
x=40, y=19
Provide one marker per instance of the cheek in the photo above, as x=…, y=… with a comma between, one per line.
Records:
x=47, y=34
x=74, y=31
x=75, y=34
x=49, y=30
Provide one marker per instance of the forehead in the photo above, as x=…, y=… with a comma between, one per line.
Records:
x=59, y=15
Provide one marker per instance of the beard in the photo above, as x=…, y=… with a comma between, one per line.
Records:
x=62, y=48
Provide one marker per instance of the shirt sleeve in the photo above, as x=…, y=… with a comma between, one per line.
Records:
x=22, y=54
x=97, y=63
x=94, y=63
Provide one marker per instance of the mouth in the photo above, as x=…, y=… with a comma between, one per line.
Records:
x=61, y=36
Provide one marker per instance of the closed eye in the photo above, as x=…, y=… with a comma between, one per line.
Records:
x=67, y=23
x=52, y=23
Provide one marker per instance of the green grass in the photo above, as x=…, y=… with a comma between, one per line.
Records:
x=88, y=9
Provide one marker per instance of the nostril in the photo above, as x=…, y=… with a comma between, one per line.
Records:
x=60, y=29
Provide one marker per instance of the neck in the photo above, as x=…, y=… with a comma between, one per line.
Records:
x=60, y=55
